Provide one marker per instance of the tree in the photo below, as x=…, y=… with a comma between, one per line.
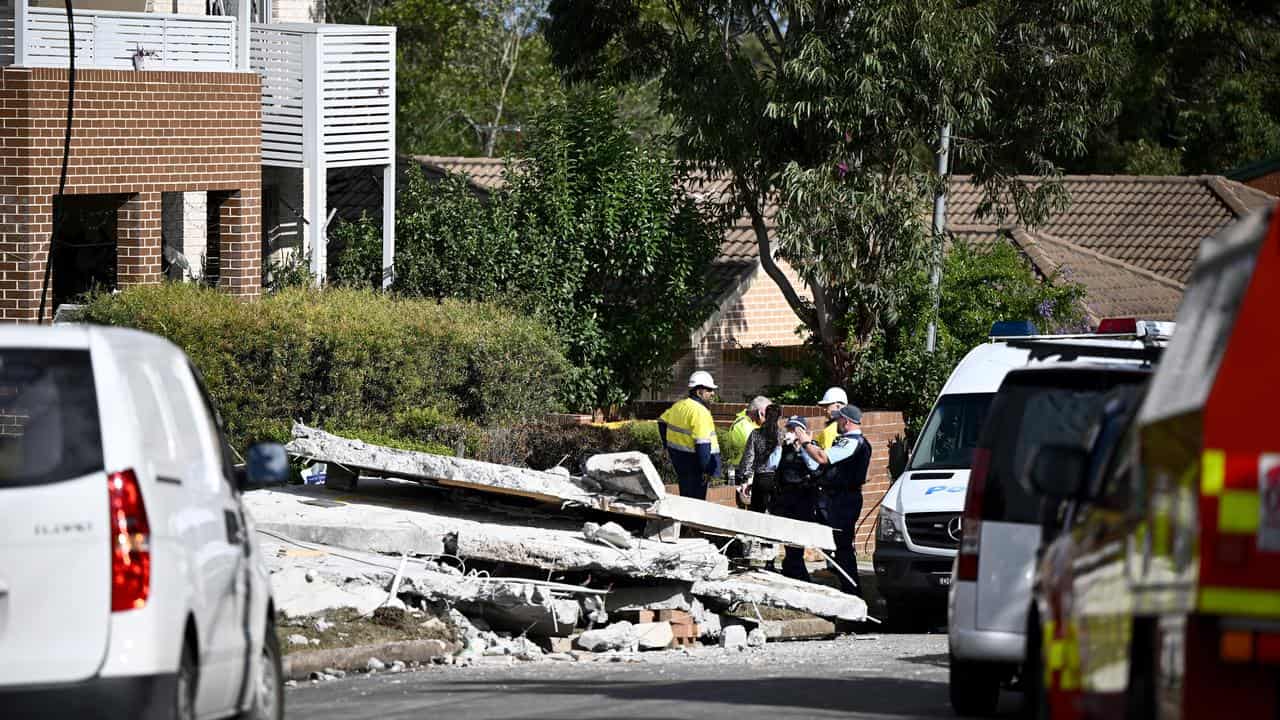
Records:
x=593, y=233
x=833, y=106
x=980, y=285
x=1203, y=94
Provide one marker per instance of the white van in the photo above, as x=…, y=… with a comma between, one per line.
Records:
x=919, y=527
x=130, y=582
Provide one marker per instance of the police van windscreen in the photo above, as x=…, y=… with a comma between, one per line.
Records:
x=49, y=425
x=1036, y=408
x=951, y=432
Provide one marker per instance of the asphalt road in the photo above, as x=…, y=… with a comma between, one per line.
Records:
x=890, y=676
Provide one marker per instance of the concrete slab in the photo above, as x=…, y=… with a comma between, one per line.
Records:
x=393, y=516
x=550, y=487
x=774, y=590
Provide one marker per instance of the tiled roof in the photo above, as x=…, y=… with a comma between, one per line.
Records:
x=1152, y=222
x=1114, y=288
x=1130, y=240
x=484, y=173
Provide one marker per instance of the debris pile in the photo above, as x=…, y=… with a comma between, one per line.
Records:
x=528, y=564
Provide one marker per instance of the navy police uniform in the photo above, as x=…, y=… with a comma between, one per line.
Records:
x=840, y=498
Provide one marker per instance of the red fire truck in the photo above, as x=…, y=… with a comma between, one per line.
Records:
x=1160, y=597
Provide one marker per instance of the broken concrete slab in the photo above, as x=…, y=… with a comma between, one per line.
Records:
x=398, y=516
x=611, y=534
x=618, y=636
x=549, y=487
x=526, y=609
x=733, y=637
x=491, y=477
x=709, y=516
x=629, y=474
x=654, y=635
x=298, y=666
x=773, y=590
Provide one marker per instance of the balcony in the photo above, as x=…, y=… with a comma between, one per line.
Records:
x=328, y=91
x=110, y=40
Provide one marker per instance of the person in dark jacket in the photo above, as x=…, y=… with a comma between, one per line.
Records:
x=843, y=471
x=760, y=458
x=795, y=491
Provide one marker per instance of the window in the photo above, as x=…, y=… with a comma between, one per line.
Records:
x=49, y=425
x=951, y=433
x=1038, y=408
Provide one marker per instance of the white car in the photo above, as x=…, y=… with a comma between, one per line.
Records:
x=130, y=582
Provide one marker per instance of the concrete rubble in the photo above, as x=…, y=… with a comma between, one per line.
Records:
x=522, y=564
x=549, y=487
x=768, y=589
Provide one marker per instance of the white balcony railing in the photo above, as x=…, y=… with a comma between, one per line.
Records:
x=109, y=40
x=328, y=92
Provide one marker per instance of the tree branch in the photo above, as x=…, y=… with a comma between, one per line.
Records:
x=764, y=246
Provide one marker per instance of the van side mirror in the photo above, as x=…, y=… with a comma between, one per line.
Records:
x=1058, y=470
x=266, y=464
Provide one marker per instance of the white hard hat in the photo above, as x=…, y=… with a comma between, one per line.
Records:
x=702, y=378
x=834, y=395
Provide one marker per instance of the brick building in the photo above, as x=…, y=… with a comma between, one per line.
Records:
x=136, y=138
x=1263, y=175
x=174, y=116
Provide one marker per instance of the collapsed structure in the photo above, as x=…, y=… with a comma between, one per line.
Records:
x=606, y=560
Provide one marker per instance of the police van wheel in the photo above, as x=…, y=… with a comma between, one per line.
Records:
x=974, y=687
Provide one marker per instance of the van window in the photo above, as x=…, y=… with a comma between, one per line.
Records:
x=49, y=425
x=1035, y=408
x=951, y=433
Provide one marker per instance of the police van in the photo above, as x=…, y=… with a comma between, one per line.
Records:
x=921, y=524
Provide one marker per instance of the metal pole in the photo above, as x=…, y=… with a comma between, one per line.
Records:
x=939, y=224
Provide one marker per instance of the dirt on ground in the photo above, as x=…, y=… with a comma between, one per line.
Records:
x=346, y=627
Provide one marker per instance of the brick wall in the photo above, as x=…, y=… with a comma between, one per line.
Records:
x=1269, y=183
x=757, y=314
x=882, y=428
x=137, y=134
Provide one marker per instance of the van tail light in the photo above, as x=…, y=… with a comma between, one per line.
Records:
x=967, y=560
x=130, y=543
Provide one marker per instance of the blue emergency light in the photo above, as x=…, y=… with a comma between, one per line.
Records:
x=1013, y=328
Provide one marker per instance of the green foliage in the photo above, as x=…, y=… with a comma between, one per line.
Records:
x=980, y=285
x=350, y=359
x=593, y=233
x=1202, y=95
x=833, y=106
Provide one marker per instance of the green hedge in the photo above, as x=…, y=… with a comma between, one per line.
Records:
x=354, y=361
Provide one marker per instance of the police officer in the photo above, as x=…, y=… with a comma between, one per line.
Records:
x=843, y=471
x=689, y=433
x=832, y=400
x=795, y=491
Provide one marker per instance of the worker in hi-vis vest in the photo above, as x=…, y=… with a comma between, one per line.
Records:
x=834, y=399
x=689, y=433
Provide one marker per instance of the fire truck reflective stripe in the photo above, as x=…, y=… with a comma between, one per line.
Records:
x=1213, y=472
x=1239, y=601
x=1238, y=511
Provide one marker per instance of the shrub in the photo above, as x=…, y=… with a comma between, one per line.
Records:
x=356, y=360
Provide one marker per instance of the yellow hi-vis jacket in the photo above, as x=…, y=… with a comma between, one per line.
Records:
x=691, y=438
x=827, y=436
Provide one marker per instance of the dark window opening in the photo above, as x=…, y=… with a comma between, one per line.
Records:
x=84, y=251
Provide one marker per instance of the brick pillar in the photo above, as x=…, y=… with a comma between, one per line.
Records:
x=138, y=240
x=26, y=220
x=240, y=244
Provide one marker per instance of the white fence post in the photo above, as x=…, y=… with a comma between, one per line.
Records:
x=20, y=12
x=316, y=201
x=389, y=187
x=243, y=20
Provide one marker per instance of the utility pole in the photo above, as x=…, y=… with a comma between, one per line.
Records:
x=939, y=223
